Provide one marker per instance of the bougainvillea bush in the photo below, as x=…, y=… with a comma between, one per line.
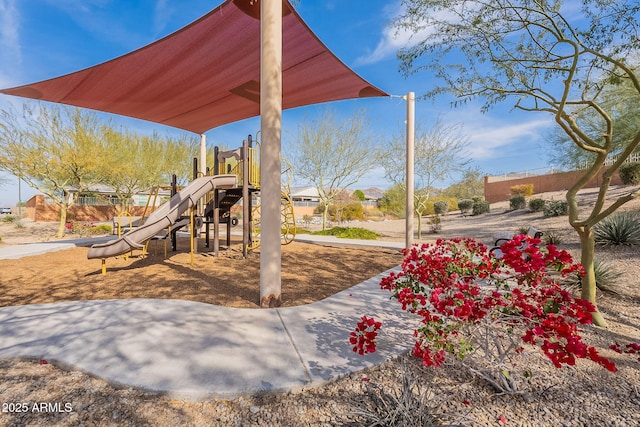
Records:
x=484, y=311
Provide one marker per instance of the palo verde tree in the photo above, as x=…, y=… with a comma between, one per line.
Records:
x=331, y=154
x=438, y=154
x=53, y=149
x=547, y=56
x=470, y=185
x=137, y=162
x=624, y=108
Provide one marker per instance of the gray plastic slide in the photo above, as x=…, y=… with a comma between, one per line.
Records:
x=163, y=217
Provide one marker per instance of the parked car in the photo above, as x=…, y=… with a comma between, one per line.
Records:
x=5, y=211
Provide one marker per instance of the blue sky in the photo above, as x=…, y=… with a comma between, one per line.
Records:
x=41, y=39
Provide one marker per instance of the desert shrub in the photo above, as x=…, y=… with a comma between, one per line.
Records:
x=9, y=218
x=348, y=233
x=465, y=205
x=536, y=205
x=441, y=207
x=630, y=173
x=478, y=198
x=373, y=213
x=620, y=228
x=556, y=208
x=359, y=194
x=100, y=229
x=606, y=276
x=415, y=399
x=429, y=207
x=517, y=202
x=435, y=222
x=480, y=208
x=522, y=190
x=352, y=212
x=552, y=238
x=393, y=202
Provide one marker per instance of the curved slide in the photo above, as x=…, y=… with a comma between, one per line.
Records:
x=163, y=217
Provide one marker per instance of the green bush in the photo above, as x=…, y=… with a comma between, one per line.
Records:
x=620, y=228
x=522, y=190
x=100, y=229
x=556, y=208
x=465, y=205
x=630, y=173
x=348, y=233
x=429, y=207
x=441, y=207
x=536, y=205
x=517, y=202
x=480, y=208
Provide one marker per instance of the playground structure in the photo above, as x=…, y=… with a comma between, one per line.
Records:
x=207, y=200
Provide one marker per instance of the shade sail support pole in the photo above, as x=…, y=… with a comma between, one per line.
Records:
x=411, y=102
x=203, y=154
x=270, y=129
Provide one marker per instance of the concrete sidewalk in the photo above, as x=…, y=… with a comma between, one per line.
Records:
x=194, y=351
x=29, y=249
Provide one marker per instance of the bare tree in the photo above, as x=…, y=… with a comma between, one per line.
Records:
x=547, y=56
x=439, y=154
x=332, y=154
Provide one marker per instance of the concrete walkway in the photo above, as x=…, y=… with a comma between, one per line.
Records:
x=194, y=351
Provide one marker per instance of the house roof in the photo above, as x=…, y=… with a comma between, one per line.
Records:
x=207, y=74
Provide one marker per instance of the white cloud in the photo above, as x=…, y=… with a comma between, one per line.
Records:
x=494, y=139
x=500, y=133
x=393, y=39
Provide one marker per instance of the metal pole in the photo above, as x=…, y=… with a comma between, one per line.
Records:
x=203, y=154
x=270, y=129
x=411, y=99
x=246, y=201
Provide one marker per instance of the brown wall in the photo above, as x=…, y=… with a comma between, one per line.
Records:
x=501, y=190
x=38, y=210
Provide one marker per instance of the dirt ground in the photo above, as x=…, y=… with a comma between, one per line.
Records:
x=310, y=272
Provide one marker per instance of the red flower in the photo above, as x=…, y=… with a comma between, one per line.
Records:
x=456, y=283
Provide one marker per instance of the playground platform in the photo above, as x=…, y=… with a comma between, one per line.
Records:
x=190, y=350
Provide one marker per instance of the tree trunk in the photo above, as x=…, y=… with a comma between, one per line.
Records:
x=324, y=216
x=589, y=280
x=63, y=220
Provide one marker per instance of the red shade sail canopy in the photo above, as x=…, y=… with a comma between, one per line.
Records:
x=207, y=74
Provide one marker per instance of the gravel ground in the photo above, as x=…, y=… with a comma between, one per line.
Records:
x=582, y=395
